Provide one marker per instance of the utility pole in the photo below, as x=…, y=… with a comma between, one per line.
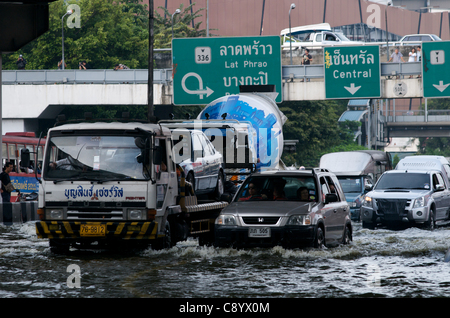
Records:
x=150, y=116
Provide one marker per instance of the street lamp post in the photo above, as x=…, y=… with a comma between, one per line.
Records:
x=176, y=12
x=290, y=33
x=387, y=36
x=69, y=12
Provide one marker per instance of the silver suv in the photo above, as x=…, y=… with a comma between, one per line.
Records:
x=287, y=208
x=410, y=197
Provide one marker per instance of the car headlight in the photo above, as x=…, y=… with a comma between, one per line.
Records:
x=136, y=214
x=367, y=201
x=226, y=219
x=299, y=220
x=419, y=202
x=54, y=214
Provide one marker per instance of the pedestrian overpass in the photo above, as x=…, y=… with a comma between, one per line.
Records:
x=33, y=95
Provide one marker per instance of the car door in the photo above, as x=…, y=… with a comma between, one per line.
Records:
x=343, y=209
x=216, y=162
x=330, y=38
x=198, y=164
x=208, y=159
x=330, y=213
x=441, y=209
x=437, y=194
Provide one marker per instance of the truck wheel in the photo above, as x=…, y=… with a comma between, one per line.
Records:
x=58, y=247
x=319, y=239
x=166, y=241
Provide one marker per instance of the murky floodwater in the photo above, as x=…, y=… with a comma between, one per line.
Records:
x=379, y=263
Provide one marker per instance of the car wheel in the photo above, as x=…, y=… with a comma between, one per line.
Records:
x=431, y=223
x=347, y=237
x=319, y=239
x=219, y=186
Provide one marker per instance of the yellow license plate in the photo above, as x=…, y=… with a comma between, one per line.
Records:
x=93, y=229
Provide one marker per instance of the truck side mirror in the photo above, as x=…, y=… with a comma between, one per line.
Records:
x=142, y=144
x=25, y=157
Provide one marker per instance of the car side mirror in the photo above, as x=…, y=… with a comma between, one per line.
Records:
x=330, y=197
x=440, y=187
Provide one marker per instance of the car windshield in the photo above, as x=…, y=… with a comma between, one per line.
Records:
x=342, y=37
x=436, y=38
x=351, y=185
x=98, y=158
x=277, y=188
x=407, y=181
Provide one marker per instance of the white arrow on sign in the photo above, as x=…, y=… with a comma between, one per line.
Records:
x=200, y=90
x=441, y=87
x=352, y=89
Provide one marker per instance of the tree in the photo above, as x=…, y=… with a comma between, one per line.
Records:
x=181, y=25
x=315, y=125
x=438, y=146
x=111, y=32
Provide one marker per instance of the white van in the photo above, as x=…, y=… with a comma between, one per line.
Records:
x=426, y=163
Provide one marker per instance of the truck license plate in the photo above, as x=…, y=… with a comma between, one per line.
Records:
x=259, y=232
x=93, y=229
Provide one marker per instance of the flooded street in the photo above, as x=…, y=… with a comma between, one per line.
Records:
x=379, y=263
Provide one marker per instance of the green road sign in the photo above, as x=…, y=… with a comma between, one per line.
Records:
x=436, y=69
x=352, y=72
x=208, y=68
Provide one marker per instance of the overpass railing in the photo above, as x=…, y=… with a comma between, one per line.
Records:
x=106, y=76
x=164, y=76
x=409, y=116
x=290, y=72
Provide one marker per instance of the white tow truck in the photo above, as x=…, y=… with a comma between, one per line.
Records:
x=115, y=185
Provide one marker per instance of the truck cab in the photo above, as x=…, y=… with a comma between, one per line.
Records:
x=111, y=184
x=357, y=172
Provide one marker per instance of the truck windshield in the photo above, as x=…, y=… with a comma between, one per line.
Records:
x=351, y=185
x=408, y=181
x=97, y=158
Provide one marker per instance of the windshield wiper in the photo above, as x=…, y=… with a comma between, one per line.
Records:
x=79, y=177
x=395, y=188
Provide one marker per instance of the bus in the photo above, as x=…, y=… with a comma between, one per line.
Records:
x=23, y=178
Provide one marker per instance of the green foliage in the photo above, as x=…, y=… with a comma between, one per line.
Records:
x=182, y=25
x=315, y=125
x=111, y=32
x=395, y=160
x=438, y=146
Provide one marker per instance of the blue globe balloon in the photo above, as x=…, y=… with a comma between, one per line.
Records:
x=263, y=115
